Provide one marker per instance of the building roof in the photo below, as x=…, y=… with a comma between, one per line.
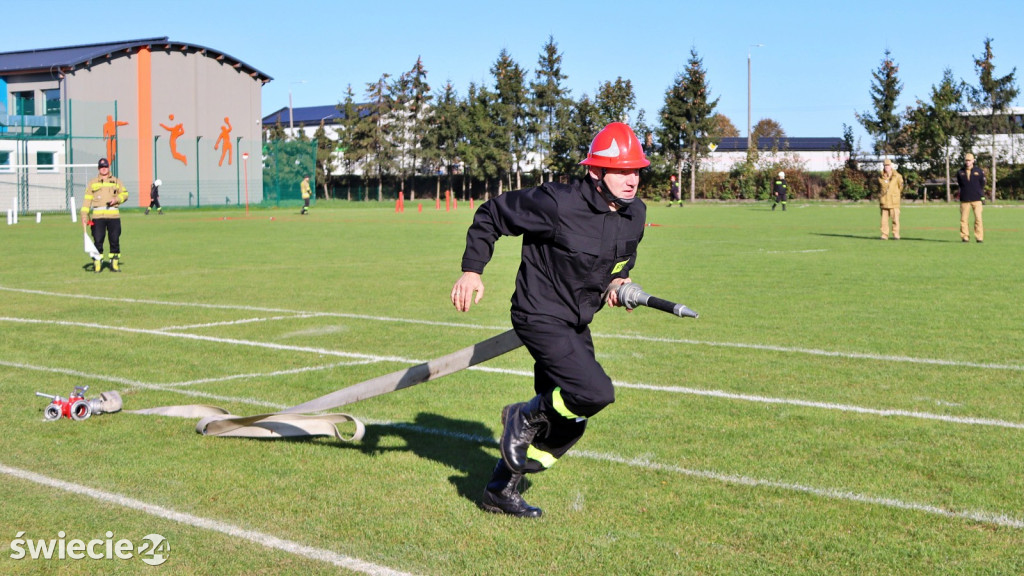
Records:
x=70, y=58
x=310, y=115
x=785, y=144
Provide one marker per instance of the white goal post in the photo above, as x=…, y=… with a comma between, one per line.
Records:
x=44, y=188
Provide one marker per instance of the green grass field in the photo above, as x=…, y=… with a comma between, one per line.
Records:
x=842, y=405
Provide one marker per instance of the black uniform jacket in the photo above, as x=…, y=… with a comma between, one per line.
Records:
x=973, y=188
x=573, y=246
x=780, y=188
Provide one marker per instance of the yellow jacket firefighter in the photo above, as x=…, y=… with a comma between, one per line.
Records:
x=103, y=195
x=890, y=189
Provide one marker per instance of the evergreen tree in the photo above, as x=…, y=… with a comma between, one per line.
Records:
x=411, y=97
x=687, y=119
x=614, y=101
x=884, y=124
x=993, y=96
x=484, y=151
x=550, y=99
x=324, y=158
x=570, y=142
x=936, y=124
x=374, y=132
x=277, y=132
x=350, y=155
x=510, y=114
x=441, y=142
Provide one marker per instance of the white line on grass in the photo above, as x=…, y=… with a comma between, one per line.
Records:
x=975, y=515
x=242, y=321
x=637, y=337
x=527, y=374
x=829, y=493
x=255, y=375
x=826, y=405
x=763, y=251
x=143, y=385
x=261, y=538
x=829, y=353
x=234, y=341
x=980, y=516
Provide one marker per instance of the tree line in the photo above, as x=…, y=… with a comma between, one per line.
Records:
x=530, y=128
x=932, y=135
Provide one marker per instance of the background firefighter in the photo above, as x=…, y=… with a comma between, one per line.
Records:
x=103, y=195
x=579, y=241
x=780, y=189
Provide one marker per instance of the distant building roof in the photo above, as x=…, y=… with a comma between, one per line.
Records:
x=310, y=115
x=785, y=144
x=70, y=58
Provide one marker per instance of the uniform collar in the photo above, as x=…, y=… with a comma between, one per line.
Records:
x=598, y=202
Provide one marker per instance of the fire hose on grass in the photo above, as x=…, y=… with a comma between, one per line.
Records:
x=300, y=420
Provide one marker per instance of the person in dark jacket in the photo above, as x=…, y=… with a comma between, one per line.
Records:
x=579, y=244
x=971, y=181
x=780, y=189
x=154, y=198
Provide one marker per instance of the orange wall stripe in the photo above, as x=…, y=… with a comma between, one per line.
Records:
x=145, y=125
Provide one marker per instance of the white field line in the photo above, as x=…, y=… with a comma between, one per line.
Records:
x=979, y=516
x=143, y=385
x=828, y=353
x=763, y=251
x=261, y=538
x=826, y=405
x=238, y=322
x=828, y=493
x=246, y=308
x=233, y=341
x=637, y=337
x=255, y=375
x=411, y=361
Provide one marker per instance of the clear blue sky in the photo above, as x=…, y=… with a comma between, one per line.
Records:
x=812, y=74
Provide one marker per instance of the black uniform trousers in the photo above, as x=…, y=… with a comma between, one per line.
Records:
x=111, y=227
x=564, y=359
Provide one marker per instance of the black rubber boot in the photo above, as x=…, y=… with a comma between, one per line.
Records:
x=502, y=496
x=522, y=422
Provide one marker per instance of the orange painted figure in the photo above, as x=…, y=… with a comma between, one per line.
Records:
x=110, y=136
x=225, y=137
x=176, y=131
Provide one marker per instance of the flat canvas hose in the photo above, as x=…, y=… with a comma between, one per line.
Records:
x=297, y=422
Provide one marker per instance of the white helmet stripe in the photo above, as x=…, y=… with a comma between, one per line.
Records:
x=612, y=151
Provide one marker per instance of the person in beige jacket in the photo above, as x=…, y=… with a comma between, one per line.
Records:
x=890, y=185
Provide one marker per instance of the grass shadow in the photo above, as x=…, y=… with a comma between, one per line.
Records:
x=433, y=436
x=876, y=238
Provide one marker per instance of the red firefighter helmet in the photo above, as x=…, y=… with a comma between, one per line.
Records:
x=617, y=147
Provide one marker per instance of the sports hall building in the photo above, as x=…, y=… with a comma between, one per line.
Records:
x=157, y=109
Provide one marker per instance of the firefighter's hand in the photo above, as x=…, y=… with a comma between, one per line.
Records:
x=462, y=293
x=611, y=297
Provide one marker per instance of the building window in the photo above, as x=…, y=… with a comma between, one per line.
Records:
x=52, y=101
x=5, y=161
x=44, y=161
x=25, y=103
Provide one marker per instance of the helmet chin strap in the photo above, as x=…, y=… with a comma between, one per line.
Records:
x=602, y=188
